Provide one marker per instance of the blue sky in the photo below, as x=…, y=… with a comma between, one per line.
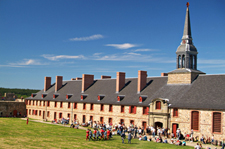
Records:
x=69, y=38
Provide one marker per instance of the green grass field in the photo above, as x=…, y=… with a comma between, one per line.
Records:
x=14, y=133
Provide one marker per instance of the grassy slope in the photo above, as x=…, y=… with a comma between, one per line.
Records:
x=14, y=133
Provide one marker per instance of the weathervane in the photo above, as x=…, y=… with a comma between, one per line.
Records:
x=187, y=4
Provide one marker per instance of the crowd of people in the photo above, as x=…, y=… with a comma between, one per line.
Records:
x=103, y=131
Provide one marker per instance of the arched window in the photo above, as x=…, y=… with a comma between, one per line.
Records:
x=195, y=120
x=194, y=62
x=179, y=61
x=216, y=122
x=183, y=61
x=191, y=62
x=158, y=105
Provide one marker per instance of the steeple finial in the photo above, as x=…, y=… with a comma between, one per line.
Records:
x=187, y=4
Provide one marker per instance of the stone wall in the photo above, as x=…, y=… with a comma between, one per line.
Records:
x=116, y=114
x=205, y=122
x=11, y=108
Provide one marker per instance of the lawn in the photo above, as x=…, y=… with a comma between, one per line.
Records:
x=14, y=133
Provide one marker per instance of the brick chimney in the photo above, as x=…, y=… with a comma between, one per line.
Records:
x=105, y=77
x=142, y=79
x=77, y=78
x=87, y=80
x=58, y=83
x=164, y=74
x=47, y=83
x=120, y=81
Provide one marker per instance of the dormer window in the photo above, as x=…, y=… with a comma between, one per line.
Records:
x=55, y=96
x=33, y=94
x=120, y=97
x=82, y=97
x=142, y=98
x=100, y=97
x=43, y=95
x=158, y=105
x=68, y=96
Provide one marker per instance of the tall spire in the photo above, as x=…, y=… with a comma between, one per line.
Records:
x=187, y=52
x=187, y=25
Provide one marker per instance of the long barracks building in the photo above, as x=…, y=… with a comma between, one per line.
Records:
x=184, y=98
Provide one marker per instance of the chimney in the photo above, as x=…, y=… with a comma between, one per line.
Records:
x=120, y=81
x=58, y=83
x=47, y=83
x=164, y=74
x=142, y=79
x=87, y=80
x=105, y=77
x=77, y=78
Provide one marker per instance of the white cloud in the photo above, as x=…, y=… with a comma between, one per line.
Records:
x=53, y=58
x=27, y=62
x=132, y=53
x=144, y=50
x=122, y=46
x=93, y=37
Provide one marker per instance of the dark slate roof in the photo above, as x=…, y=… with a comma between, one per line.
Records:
x=206, y=92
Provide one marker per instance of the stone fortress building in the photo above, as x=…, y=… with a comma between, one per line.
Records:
x=184, y=98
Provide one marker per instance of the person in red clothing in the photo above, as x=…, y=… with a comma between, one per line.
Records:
x=87, y=134
x=27, y=120
x=108, y=134
x=94, y=133
x=102, y=132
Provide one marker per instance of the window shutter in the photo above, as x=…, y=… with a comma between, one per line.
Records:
x=216, y=122
x=195, y=120
x=135, y=109
x=147, y=110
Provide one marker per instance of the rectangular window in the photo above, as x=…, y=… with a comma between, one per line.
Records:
x=122, y=109
x=158, y=105
x=145, y=110
x=48, y=114
x=75, y=117
x=68, y=104
x=39, y=112
x=55, y=115
x=132, y=109
x=132, y=122
x=48, y=103
x=40, y=103
x=29, y=111
x=92, y=106
x=36, y=102
x=75, y=105
x=121, y=121
x=110, y=108
x=29, y=102
x=43, y=103
x=195, y=120
x=175, y=112
x=102, y=107
x=110, y=121
x=68, y=115
x=84, y=118
x=60, y=115
x=84, y=106
x=61, y=104
x=216, y=122
x=101, y=120
x=33, y=102
x=55, y=103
